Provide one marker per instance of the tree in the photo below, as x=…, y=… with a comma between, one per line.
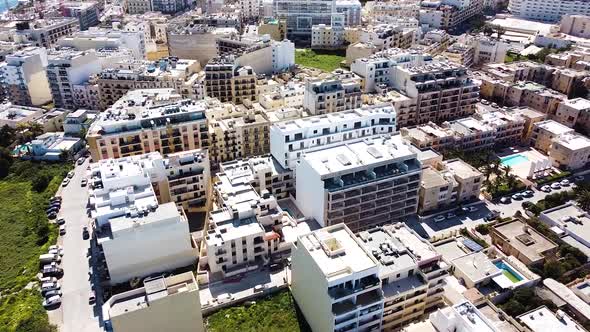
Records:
x=513, y=308
x=5, y=162
x=7, y=136
x=553, y=269
x=41, y=181
x=82, y=133
x=488, y=31
x=583, y=198
x=64, y=155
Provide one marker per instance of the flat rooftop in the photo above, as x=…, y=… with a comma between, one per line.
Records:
x=568, y=296
x=571, y=218
x=525, y=239
x=543, y=319
x=432, y=178
x=337, y=252
x=477, y=266
x=574, y=141
x=392, y=255
x=554, y=127
x=461, y=169
x=451, y=249
x=578, y=103
x=358, y=155
x=162, y=212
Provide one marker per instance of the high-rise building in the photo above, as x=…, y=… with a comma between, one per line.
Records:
x=547, y=11
x=361, y=184
x=87, y=13
x=339, y=91
x=45, y=32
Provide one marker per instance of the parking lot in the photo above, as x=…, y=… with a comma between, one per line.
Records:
x=75, y=313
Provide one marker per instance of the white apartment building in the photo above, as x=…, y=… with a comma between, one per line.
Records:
x=67, y=68
x=267, y=56
x=335, y=281
x=361, y=184
x=547, y=11
x=23, y=77
x=462, y=317
x=160, y=301
x=509, y=126
x=327, y=37
x=139, y=236
x=250, y=9
x=287, y=96
x=575, y=25
x=570, y=151
x=149, y=124
x=545, y=131
x=488, y=50
x=339, y=91
x=98, y=38
x=12, y=115
x=290, y=140
x=262, y=173
x=573, y=112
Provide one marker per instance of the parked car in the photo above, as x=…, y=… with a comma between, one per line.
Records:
x=55, y=199
x=52, y=215
x=565, y=182
x=555, y=185
x=516, y=197
x=81, y=160
x=60, y=221
x=49, y=258
x=579, y=178
x=65, y=182
x=56, y=292
x=92, y=297
x=546, y=188
x=62, y=230
x=84, y=182
x=439, y=218
x=451, y=215
x=259, y=288
x=55, y=246
x=71, y=174
x=223, y=298
x=51, y=301
x=85, y=233
x=47, y=279
x=472, y=209
x=59, y=252
x=49, y=286
x=492, y=215
x=505, y=200
x=528, y=193
x=52, y=271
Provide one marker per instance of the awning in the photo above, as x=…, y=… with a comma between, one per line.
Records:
x=503, y=281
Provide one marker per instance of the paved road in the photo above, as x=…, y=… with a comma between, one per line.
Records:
x=75, y=314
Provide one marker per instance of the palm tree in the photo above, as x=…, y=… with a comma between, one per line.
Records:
x=506, y=169
x=496, y=165
x=511, y=180
x=487, y=171
x=583, y=199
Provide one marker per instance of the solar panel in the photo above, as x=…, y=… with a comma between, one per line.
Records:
x=472, y=245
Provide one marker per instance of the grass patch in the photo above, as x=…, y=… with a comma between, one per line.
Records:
x=275, y=312
x=325, y=60
x=23, y=312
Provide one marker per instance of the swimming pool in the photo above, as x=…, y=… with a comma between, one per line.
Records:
x=509, y=272
x=514, y=160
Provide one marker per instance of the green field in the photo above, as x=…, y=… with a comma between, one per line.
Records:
x=274, y=313
x=23, y=312
x=326, y=61
x=25, y=233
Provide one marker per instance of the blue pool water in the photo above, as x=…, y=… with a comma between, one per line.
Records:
x=514, y=160
x=509, y=272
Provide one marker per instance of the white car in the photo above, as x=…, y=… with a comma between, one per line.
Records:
x=555, y=185
x=224, y=298
x=71, y=174
x=44, y=280
x=565, y=182
x=54, y=300
x=546, y=188
x=62, y=230
x=439, y=218
x=55, y=247
x=65, y=182
x=49, y=286
x=259, y=288
x=56, y=252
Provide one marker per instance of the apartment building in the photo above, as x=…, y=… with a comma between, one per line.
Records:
x=337, y=92
x=23, y=77
x=545, y=132
x=327, y=37
x=450, y=183
x=45, y=32
x=574, y=112
x=440, y=90
x=361, y=184
x=489, y=50
x=78, y=121
x=241, y=135
x=178, y=74
x=547, y=11
x=262, y=173
x=575, y=25
x=263, y=54
x=509, y=125
x=373, y=39
x=139, y=236
x=161, y=300
x=246, y=230
x=302, y=17
x=99, y=38
x=449, y=14
x=141, y=123
x=464, y=317
x=188, y=177
x=411, y=272
x=87, y=13
x=569, y=151
x=381, y=11
x=154, y=27
x=531, y=117
x=290, y=140
x=460, y=53
x=12, y=115
x=243, y=85
x=66, y=68
x=226, y=81
x=286, y=96
x=335, y=281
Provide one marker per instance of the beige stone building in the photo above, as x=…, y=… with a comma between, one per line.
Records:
x=139, y=124
x=161, y=303
x=517, y=239
x=570, y=151
x=574, y=112
x=545, y=132
x=531, y=117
